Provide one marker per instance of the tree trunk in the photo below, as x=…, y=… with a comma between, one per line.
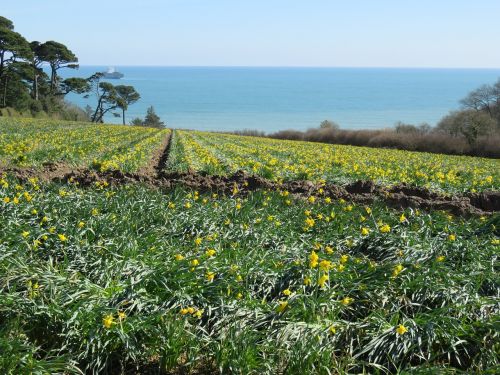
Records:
x=103, y=112
x=52, y=78
x=123, y=115
x=5, y=91
x=34, y=93
x=94, y=116
x=1, y=63
x=36, y=87
x=101, y=115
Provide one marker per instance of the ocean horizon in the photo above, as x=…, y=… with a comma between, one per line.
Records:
x=277, y=98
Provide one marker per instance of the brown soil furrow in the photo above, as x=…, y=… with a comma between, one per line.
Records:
x=162, y=162
x=155, y=165
x=364, y=192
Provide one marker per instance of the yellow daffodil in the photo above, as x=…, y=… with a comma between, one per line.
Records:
x=313, y=259
x=210, y=253
x=195, y=262
x=322, y=280
x=401, y=329
x=325, y=265
x=397, y=270
x=346, y=301
x=108, y=321
x=282, y=306
x=385, y=228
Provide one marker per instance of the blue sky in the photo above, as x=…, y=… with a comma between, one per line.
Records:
x=354, y=33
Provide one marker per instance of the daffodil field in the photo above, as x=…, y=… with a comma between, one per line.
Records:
x=134, y=278
x=100, y=279
x=30, y=143
x=289, y=160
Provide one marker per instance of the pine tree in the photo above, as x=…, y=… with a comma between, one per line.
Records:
x=152, y=119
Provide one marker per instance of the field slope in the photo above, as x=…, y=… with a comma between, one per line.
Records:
x=114, y=272
x=291, y=160
x=31, y=143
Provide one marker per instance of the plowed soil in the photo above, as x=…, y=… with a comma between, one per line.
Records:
x=397, y=196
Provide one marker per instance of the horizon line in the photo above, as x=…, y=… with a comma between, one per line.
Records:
x=294, y=66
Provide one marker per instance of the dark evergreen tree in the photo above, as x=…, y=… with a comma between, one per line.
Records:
x=58, y=56
x=152, y=119
x=13, y=47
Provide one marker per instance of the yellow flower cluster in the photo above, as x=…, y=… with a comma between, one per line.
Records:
x=30, y=142
x=280, y=159
x=197, y=313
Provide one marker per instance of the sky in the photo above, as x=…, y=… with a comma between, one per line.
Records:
x=325, y=33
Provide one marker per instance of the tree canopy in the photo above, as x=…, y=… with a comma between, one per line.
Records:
x=25, y=85
x=126, y=95
x=6, y=23
x=152, y=119
x=13, y=46
x=58, y=56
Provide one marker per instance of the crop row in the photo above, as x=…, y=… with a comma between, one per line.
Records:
x=263, y=283
x=27, y=142
x=288, y=160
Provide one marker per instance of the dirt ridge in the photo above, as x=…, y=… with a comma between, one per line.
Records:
x=364, y=192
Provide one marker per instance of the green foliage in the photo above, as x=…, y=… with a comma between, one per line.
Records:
x=17, y=96
x=70, y=284
x=58, y=56
x=28, y=142
x=110, y=97
x=277, y=160
x=6, y=23
x=126, y=96
x=152, y=119
x=23, y=83
x=76, y=85
x=137, y=121
x=12, y=46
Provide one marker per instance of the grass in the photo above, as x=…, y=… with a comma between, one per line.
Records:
x=106, y=279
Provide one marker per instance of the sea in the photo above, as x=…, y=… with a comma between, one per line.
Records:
x=272, y=99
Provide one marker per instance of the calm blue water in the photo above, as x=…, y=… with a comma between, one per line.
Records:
x=271, y=99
